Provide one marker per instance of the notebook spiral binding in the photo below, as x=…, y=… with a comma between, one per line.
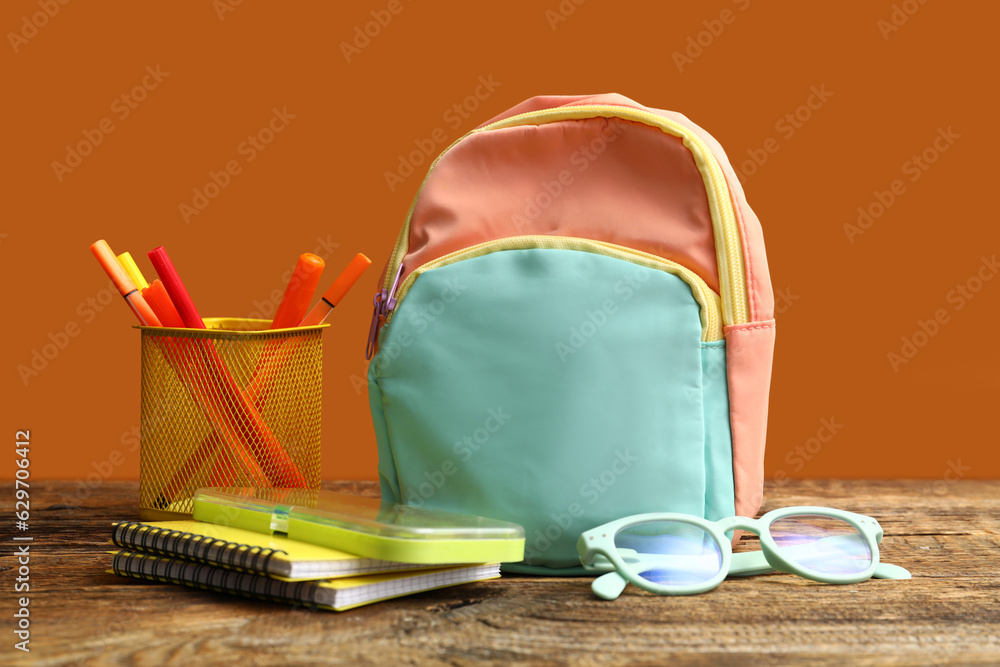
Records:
x=141, y=536
x=244, y=584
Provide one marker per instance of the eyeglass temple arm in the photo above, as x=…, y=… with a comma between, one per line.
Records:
x=610, y=585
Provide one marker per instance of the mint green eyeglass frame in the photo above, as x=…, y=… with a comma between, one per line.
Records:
x=598, y=552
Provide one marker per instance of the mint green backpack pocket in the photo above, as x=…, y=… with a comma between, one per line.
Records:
x=558, y=380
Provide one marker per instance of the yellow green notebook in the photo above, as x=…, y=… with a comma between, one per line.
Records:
x=245, y=550
x=335, y=594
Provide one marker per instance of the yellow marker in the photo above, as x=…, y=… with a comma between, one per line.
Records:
x=132, y=269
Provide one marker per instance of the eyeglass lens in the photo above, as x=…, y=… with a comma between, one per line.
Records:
x=821, y=544
x=670, y=553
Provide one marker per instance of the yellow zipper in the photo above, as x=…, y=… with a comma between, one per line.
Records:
x=708, y=300
x=729, y=253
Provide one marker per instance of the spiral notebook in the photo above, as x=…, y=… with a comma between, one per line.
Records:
x=246, y=550
x=335, y=594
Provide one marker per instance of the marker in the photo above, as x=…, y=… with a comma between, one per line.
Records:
x=125, y=265
x=155, y=295
x=132, y=269
x=299, y=292
x=158, y=299
x=126, y=287
x=175, y=288
x=337, y=290
x=281, y=469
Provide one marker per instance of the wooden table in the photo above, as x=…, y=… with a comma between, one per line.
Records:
x=949, y=613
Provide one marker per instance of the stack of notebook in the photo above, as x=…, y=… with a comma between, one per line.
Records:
x=241, y=562
x=316, y=548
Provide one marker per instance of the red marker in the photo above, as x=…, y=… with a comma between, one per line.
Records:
x=246, y=419
x=175, y=288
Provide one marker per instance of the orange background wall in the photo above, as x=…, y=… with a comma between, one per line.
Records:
x=893, y=82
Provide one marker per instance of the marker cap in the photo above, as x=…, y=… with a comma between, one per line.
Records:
x=106, y=258
x=345, y=281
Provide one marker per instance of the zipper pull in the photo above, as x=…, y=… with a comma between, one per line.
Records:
x=390, y=304
x=384, y=303
x=373, y=330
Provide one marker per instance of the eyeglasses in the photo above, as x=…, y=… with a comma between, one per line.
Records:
x=681, y=554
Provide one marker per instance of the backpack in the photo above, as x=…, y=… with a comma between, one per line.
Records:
x=575, y=325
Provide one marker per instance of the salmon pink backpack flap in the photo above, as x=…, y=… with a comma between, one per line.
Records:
x=575, y=325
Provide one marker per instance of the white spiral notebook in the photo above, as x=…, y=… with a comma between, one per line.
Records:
x=335, y=594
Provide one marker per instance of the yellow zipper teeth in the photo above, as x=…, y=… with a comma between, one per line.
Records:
x=708, y=300
x=729, y=254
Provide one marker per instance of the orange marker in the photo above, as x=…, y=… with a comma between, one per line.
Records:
x=158, y=299
x=290, y=312
x=338, y=289
x=133, y=298
x=299, y=292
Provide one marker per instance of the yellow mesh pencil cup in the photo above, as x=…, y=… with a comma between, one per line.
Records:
x=235, y=404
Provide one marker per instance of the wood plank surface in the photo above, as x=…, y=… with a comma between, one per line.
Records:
x=948, y=614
